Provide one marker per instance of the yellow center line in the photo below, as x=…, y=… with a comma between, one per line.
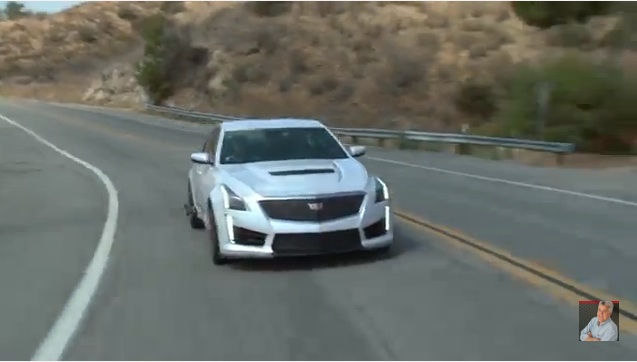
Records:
x=551, y=281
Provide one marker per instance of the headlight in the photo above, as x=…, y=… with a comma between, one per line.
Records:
x=232, y=201
x=382, y=193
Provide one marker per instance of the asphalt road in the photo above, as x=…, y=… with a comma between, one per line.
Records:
x=591, y=241
x=51, y=215
x=574, y=235
x=161, y=297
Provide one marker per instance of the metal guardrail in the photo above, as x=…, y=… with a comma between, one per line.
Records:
x=211, y=117
x=384, y=134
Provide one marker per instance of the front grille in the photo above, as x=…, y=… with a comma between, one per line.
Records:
x=317, y=243
x=332, y=208
x=248, y=237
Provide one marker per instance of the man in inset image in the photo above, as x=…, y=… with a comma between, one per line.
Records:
x=601, y=328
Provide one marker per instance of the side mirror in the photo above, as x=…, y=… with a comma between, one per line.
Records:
x=357, y=151
x=200, y=158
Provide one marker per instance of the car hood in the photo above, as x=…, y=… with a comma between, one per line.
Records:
x=301, y=177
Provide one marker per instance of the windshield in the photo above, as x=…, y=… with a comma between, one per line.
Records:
x=278, y=144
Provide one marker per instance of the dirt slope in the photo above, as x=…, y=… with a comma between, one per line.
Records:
x=52, y=56
x=394, y=64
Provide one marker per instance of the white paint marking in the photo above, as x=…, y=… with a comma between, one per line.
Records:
x=509, y=182
x=69, y=319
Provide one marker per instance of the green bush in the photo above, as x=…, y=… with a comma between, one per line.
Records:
x=127, y=13
x=544, y=14
x=571, y=35
x=624, y=34
x=14, y=10
x=173, y=7
x=591, y=104
x=476, y=100
x=269, y=8
x=152, y=72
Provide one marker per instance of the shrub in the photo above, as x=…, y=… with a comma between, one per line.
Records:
x=323, y=84
x=591, y=104
x=571, y=35
x=405, y=70
x=173, y=7
x=250, y=72
x=268, y=39
x=151, y=72
x=624, y=34
x=544, y=14
x=269, y=8
x=476, y=100
x=88, y=34
x=297, y=62
x=127, y=13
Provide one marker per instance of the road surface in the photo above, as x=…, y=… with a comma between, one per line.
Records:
x=161, y=298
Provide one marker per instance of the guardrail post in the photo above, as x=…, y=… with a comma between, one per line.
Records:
x=403, y=141
x=559, y=158
x=463, y=149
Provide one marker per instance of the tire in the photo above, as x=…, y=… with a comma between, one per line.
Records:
x=217, y=258
x=195, y=221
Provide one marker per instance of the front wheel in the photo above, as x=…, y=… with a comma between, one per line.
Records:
x=195, y=221
x=217, y=258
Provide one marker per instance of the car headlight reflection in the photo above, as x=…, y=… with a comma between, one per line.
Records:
x=232, y=201
x=382, y=193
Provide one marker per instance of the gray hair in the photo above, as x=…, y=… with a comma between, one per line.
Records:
x=608, y=304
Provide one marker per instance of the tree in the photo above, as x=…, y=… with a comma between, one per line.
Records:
x=152, y=72
x=544, y=14
x=14, y=10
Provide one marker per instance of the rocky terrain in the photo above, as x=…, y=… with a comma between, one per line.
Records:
x=394, y=64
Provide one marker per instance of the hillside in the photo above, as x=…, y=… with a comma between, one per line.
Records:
x=51, y=56
x=394, y=64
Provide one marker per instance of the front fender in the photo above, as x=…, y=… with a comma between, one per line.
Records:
x=215, y=198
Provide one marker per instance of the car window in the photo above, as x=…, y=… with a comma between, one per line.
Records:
x=278, y=144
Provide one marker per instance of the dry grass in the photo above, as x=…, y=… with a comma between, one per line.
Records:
x=79, y=39
x=394, y=64
x=352, y=62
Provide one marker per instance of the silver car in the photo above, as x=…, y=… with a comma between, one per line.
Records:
x=285, y=187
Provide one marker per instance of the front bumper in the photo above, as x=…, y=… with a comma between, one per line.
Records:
x=251, y=234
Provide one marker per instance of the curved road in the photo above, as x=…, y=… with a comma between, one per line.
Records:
x=161, y=298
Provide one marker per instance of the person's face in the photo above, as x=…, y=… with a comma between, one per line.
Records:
x=603, y=313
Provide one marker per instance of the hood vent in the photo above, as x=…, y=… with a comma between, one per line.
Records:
x=302, y=172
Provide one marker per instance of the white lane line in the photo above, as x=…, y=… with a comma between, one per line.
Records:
x=509, y=182
x=68, y=321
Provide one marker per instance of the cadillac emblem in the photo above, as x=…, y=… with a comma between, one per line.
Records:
x=315, y=206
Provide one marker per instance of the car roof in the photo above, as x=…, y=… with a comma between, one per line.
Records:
x=246, y=124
